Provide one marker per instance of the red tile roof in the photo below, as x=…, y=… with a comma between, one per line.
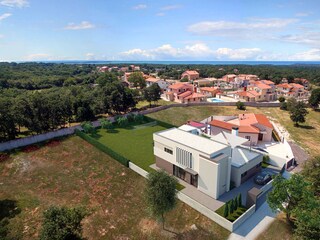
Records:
x=180, y=85
x=222, y=124
x=209, y=89
x=195, y=95
x=196, y=124
x=184, y=94
x=191, y=72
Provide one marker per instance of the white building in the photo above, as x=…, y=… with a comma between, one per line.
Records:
x=208, y=164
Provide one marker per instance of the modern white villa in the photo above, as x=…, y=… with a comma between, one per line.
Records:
x=209, y=164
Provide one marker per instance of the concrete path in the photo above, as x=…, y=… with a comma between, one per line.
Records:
x=255, y=225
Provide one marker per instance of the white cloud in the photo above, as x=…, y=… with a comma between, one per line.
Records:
x=170, y=7
x=90, y=56
x=160, y=14
x=14, y=3
x=214, y=27
x=303, y=14
x=80, y=26
x=238, y=54
x=4, y=16
x=37, y=57
x=139, y=7
x=199, y=51
x=309, y=55
x=307, y=38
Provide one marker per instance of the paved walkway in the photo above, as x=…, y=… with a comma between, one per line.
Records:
x=299, y=155
x=255, y=225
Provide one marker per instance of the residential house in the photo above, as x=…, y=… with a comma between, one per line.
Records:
x=183, y=93
x=302, y=81
x=291, y=90
x=103, y=69
x=229, y=77
x=254, y=127
x=163, y=84
x=263, y=90
x=204, y=82
x=209, y=91
x=208, y=164
x=190, y=75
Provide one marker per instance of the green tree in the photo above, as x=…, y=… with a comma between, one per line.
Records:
x=226, y=210
x=281, y=99
x=105, y=123
x=231, y=207
x=284, y=106
x=61, y=223
x=137, y=79
x=88, y=127
x=152, y=93
x=106, y=78
x=122, y=121
x=287, y=194
x=161, y=194
x=299, y=113
x=311, y=172
x=314, y=99
x=138, y=118
x=185, y=79
x=291, y=104
x=240, y=105
x=239, y=200
x=235, y=202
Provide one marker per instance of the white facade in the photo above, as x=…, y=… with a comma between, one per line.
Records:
x=214, y=162
x=209, y=159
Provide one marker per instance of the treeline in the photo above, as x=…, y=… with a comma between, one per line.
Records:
x=44, y=110
x=33, y=76
x=269, y=72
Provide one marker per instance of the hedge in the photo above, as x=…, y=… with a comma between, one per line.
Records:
x=121, y=159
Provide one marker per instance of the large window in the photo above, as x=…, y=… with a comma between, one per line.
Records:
x=184, y=157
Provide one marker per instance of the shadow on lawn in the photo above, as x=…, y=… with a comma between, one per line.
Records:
x=8, y=209
x=306, y=127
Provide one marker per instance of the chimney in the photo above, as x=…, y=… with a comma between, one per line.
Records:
x=235, y=131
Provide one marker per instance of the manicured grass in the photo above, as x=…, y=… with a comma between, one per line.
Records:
x=133, y=142
x=307, y=135
x=161, y=102
x=75, y=173
x=232, y=217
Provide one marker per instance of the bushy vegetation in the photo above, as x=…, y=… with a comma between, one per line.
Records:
x=240, y=105
x=61, y=223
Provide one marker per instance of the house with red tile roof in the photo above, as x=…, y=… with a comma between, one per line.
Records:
x=163, y=84
x=190, y=75
x=302, y=81
x=183, y=93
x=254, y=127
x=258, y=91
x=209, y=91
x=291, y=90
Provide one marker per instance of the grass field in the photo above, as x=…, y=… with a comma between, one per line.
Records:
x=74, y=173
x=307, y=135
x=134, y=143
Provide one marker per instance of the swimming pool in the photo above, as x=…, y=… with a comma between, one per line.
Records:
x=214, y=100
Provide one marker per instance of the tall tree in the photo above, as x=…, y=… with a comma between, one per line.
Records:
x=314, y=99
x=298, y=113
x=61, y=223
x=161, y=193
x=287, y=194
x=137, y=79
x=152, y=93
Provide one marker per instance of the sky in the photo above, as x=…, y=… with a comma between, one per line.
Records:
x=182, y=30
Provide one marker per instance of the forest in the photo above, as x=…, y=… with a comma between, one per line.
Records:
x=40, y=97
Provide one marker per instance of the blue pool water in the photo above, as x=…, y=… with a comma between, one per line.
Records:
x=214, y=100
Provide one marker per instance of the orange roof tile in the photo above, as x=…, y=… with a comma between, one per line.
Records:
x=195, y=95
x=209, y=89
x=248, y=129
x=222, y=124
x=180, y=85
x=184, y=94
x=191, y=72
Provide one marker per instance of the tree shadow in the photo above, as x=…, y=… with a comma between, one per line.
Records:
x=306, y=127
x=8, y=209
x=112, y=131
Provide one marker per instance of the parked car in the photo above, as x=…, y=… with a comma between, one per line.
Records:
x=262, y=178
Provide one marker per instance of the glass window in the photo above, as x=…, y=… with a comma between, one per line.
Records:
x=168, y=150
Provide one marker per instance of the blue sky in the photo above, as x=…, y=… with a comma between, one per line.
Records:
x=37, y=30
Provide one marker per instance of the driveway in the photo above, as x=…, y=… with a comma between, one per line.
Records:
x=255, y=225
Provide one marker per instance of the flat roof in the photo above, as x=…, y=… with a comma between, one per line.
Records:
x=241, y=156
x=193, y=141
x=188, y=128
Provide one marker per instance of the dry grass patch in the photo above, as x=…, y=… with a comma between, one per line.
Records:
x=74, y=173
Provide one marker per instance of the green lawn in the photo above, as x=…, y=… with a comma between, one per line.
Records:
x=133, y=142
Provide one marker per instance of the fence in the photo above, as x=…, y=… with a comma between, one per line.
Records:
x=68, y=131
